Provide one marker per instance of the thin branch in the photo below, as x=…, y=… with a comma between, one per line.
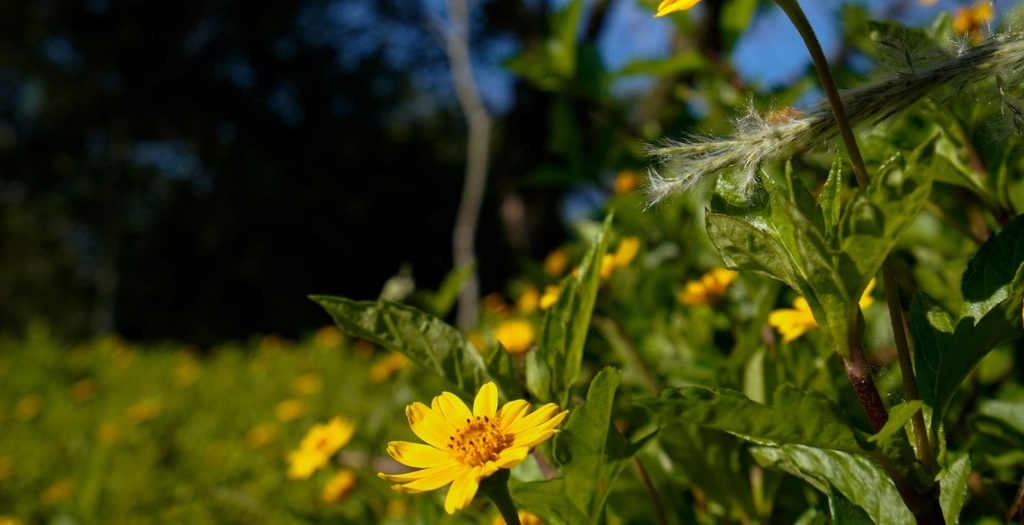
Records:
x=478, y=123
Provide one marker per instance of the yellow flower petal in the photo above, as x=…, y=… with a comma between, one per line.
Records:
x=539, y=416
x=512, y=411
x=534, y=436
x=793, y=322
x=452, y=408
x=626, y=252
x=417, y=455
x=511, y=457
x=461, y=492
x=671, y=6
x=486, y=402
x=428, y=425
x=865, y=298
x=423, y=480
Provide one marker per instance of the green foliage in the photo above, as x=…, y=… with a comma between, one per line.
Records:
x=425, y=339
x=753, y=425
x=993, y=293
x=553, y=369
x=591, y=454
x=821, y=424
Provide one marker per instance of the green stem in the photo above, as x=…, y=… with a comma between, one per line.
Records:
x=495, y=487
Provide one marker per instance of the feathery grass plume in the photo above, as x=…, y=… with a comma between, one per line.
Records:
x=758, y=139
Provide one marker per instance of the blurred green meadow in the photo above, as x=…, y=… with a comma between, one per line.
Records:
x=109, y=432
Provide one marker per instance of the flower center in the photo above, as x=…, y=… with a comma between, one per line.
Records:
x=479, y=441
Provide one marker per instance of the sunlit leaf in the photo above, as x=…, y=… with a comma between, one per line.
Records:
x=857, y=478
x=425, y=339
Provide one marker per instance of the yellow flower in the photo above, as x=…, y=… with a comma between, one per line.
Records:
x=970, y=20
x=306, y=384
x=109, y=432
x=528, y=300
x=260, y=435
x=607, y=267
x=10, y=520
x=290, y=410
x=516, y=335
x=793, y=322
x=144, y=410
x=83, y=390
x=556, y=262
x=464, y=447
x=28, y=407
x=386, y=367
x=59, y=491
x=328, y=337
x=796, y=321
x=671, y=6
x=626, y=182
x=709, y=289
x=550, y=296
x=322, y=442
x=339, y=486
x=525, y=518
x=626, y=252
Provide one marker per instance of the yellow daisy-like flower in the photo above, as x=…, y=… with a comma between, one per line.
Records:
x=626, y=252
x=386, y=367
x=516, y=335
x=971, y=20
x=797, y=321
x=318, y=446
x=671, y=6
x=339, y=486
x=550, y=296
x=709, y=289
x=463, y=447
x=556, y=262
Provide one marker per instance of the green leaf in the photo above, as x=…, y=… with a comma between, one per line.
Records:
x=549, y=499
x=844, y=512
x=590, y=452
x=943, y=360
x=860, y=480
x=552, y=369
x=579, y=324
x=830, y=201
x=746, y=247
x=685, y=62
x=1009, y=412
x=736, y=19
x=873, y=223
x=821, y=423
x=898, y=417
x=990, y=273
x=423, y=338
x=710, y=461
x=953, y=488
x=540, y=363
